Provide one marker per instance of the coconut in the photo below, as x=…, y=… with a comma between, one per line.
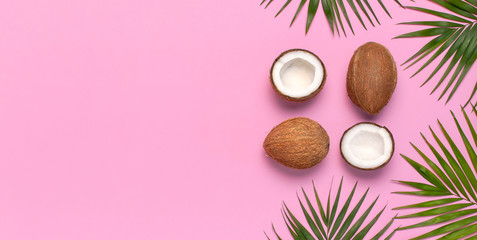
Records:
x=367, y=146
x=297, y=75
x=297, y=143
x=372, y=77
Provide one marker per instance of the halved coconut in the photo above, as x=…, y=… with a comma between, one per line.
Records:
x=297, y=75
x=367, y=146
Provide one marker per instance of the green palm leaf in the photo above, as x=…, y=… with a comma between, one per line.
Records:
x=335, y=12
x=336, y=222
x=450, y=179
x=455, y=38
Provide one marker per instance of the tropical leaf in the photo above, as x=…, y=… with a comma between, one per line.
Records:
x=336, y=13
x=454, y=40
x=336, y=222
x=450, y=180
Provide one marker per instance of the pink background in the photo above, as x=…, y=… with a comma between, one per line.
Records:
x=140, y=119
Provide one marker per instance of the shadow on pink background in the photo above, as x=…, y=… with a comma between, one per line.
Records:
x=145, y=119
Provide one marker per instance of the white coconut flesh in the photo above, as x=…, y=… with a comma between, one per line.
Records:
x=367, y=146
x=297, y=74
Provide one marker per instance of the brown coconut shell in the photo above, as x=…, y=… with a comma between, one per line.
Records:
x=297, y=143
x=286, y=97
x=372, y=77
x=380, y=166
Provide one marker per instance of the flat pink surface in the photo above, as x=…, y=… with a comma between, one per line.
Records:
x=145, y=119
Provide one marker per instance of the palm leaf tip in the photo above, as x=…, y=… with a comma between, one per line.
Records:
x=268, y=4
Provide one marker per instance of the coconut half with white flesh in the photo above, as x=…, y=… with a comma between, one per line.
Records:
x=297, y=75
x=367, y=146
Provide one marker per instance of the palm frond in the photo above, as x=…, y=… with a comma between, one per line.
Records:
x=450, y=179
x=336, y=222
x=455, y=38
x=336, y=13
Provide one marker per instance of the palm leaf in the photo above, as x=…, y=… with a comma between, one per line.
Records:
x=334, y=223
x=450, y=179
x=454, y=39
x=335, y=12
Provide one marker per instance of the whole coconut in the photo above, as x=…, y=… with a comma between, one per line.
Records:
x=372, y=77
x=297, y=143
